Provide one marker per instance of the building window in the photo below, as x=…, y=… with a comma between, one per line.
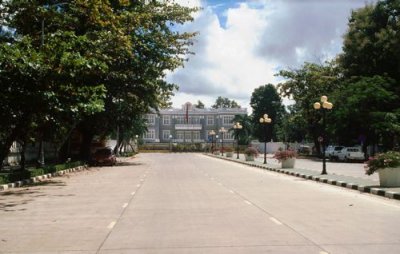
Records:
x=151, y=119
x=180, y=135
x=210, y=120
x=196, y=135
x=180, y=119
x=228, y=135
x=150, y=134
x=227, y=120
x=188, y=135
x=166, y=120
x=165, y=134
x=195, y=120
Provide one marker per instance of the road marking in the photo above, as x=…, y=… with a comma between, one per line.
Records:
x=133, y=193
x=247, y=202
x=277, y=222
x=138, y=185
x=220, y=184
x=111, y=225
x=141, y=180
x=125, y=205
x=323, y=252
x=231, y=191
x=212, y=178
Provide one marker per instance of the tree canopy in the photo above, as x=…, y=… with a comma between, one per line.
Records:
x=223, y=102
x=96, y=65
x=266, y=100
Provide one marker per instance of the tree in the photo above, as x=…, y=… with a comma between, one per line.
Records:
x=243, y=134
x=305, y=86
x=266, y=100
x=221, y=102
x=99, y=66
x=366, y=114
x=371, y=44
x=199, y=104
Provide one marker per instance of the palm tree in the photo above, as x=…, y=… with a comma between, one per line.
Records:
x=243, y=134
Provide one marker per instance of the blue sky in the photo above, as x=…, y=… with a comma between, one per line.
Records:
x=243, y=44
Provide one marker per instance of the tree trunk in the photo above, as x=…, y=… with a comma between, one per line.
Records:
x=85, y=151
x=6, y=145
x=23, y=159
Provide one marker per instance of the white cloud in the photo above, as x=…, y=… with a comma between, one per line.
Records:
x=259, y=38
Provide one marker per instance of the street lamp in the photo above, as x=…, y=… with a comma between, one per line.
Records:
x=212, y=134
x=170, y=140
x=324, y=106
x=237, y=126
x=265, y=120
x=216, y=142
x=222, y=131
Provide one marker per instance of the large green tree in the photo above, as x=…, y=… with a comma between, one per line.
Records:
x=96, y=65
x=266, y=100
x=305, y=86
x=372, y=42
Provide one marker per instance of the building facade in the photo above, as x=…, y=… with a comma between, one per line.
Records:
x=190, y=124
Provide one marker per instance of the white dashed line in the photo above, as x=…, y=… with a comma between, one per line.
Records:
x=220, y=184
x=277, y=222
x=231, y=191
x=125, y=205
x=111, y=225
x=141, y=180
x=247, y=202
x=133, y=193
x=323, y=252
x=138, y=185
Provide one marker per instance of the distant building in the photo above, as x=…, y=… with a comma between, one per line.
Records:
x=190, y=124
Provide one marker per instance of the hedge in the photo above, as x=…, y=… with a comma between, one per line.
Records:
x=15, y=176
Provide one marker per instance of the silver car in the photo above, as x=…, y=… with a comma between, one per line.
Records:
x=351, y=154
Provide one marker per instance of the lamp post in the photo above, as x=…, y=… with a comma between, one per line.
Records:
x=237, y=126
x=222, y=131
x=265, y=120
x=170, y=140
x=324, y=105
x=212, y=134
x=216, y=142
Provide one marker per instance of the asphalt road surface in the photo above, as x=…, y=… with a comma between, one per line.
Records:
x=190, y=203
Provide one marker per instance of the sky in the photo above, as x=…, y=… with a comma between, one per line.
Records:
x=242, y=44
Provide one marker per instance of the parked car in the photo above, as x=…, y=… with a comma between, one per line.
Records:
x=304, y=150
x=351, y=153
x=331, y=152
x=104, y=156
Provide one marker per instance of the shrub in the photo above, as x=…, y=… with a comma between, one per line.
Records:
x=389, y=159
x=285, y=154
x=251, y=151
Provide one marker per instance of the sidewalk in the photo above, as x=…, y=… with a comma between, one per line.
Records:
x=351, y=182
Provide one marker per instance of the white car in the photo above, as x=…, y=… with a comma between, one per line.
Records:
x=331, y=152
x=351, y=153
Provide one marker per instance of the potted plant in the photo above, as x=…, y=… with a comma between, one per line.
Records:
x=388, y=167
x=286, y=157
x=250, y=153
x=229, y=151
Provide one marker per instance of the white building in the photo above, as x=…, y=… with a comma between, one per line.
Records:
x=190, y=125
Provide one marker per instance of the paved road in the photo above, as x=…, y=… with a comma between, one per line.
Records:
x=189, y=203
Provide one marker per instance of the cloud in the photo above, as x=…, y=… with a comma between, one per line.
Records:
x=256, y=40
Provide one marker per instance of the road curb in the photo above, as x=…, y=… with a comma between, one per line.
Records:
x=322, y=179
x=36, y=179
